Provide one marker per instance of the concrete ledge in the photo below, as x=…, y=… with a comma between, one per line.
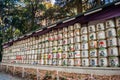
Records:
x=72, y=69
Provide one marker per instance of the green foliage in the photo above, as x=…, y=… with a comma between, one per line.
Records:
x=24, y=20
x=16, y=33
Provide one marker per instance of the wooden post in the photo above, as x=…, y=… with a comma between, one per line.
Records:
x=6, y=68
x=57, y=76
x=79, y=6
x=98, y=2
x=23, y=72
x=38, y=76
x=0, y=66
x=13, y=70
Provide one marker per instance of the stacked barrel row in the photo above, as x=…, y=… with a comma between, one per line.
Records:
x=95, y=44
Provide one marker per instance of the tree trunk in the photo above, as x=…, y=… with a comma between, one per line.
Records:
x=98, y=2
x=32, y=23
x=33, y=18
x=79, y=6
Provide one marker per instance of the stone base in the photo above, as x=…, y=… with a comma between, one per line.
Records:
x=32, y=72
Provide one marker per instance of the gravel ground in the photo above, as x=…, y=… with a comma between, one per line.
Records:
x=4, y=76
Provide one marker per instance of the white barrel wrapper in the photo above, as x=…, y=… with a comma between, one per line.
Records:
x=103, y=62
x=85, y=62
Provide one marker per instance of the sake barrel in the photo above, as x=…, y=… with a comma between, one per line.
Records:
x=64, y=62
x=46, y=50
x=40, y=46
x=60, y=36
x=93, y=62
x=111, y=32
x=103, y=62
x=76, y=39
x=70, y=40
x=54, y=49
x=60, y=31
x=113, y=61
x=55, y=32
x=60, y=49
x=71, y=33
x=84, y=45
x=68, y=34
x=101, y=35
x=77, y=25
x=113, y=51
x=92, y=36
x=42, y=56
x=71, y=55
x=45, y=56
x=40, y=40
x=112, y=42
x=118, y=22
x=50, y=38
x=33, y=51
x=54, y=62
x=46, y=38
x=91, y=28
x=77, y=62
x=93, y=53
x=50, y=56
x=118, y=33
x=65, y=48
x=77, y=54
x=55, y=37
x=65, y=34
x=118, y=50
x=43, y=38
x=85, y=62
x=84, y=53
x=43, y=51
x=76, y=32
x=45, y=61
x=102, y=44
x=109, y=23
x=50, y=43
x=84, y=30
x=30, y=57
x=77, y=46
x=100, y=26
x=43, y=45
x=65, y=55
x=49, y=61
x=102, y=52
x=42, y=61
x=59, y=55
x=84, y=38
x=60, y=42
x=65, y=29
x=70, y=27
x=65, y=41
x=92, y=44
x=70, y=62
x=50, y=49
x=54, y=55
x=59, y=62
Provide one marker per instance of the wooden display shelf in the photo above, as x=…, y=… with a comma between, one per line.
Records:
x=35, y=72
x=76, y=69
